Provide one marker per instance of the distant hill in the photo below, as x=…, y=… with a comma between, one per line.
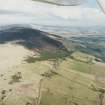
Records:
x=92, y=45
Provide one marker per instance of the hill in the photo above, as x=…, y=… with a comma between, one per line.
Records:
x=39, y=68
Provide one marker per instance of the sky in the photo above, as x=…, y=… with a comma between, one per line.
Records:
x=30, y=12
x=92, y=3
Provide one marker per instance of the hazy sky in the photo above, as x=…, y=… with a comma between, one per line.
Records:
x=92, y=3
x=29, y=12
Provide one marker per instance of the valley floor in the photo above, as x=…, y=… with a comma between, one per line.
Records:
x=47, y=82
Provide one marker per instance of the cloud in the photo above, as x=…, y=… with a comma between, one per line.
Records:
x=29, y=12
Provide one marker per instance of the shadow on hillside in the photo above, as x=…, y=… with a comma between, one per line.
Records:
x=30, y=38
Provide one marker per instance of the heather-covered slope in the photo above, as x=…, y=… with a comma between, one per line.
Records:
x=31, y=38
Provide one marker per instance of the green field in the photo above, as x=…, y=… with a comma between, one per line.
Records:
x=81, y=66
x=45, y=55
